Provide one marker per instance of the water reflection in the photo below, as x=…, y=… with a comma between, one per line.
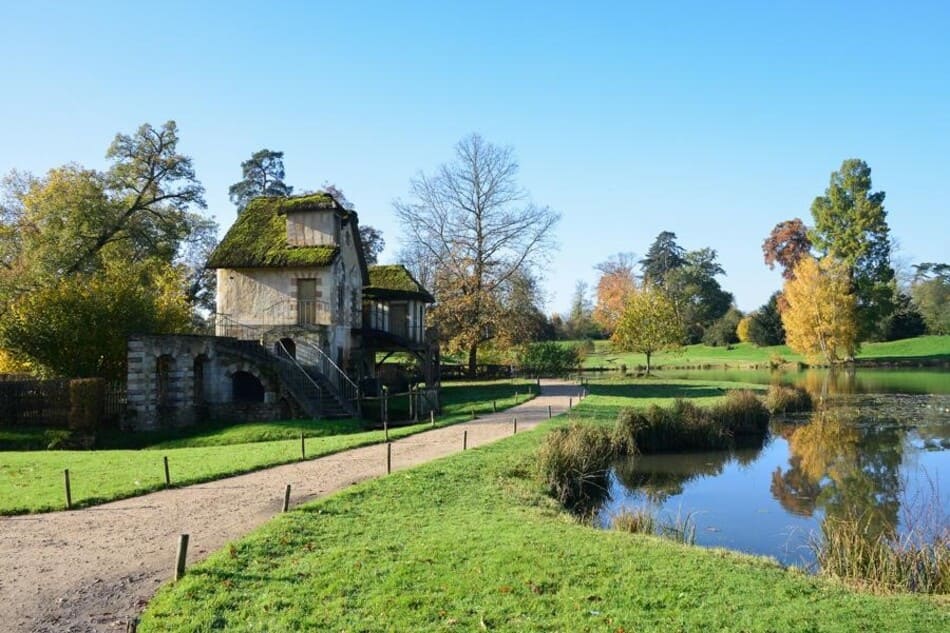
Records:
x=859, y=457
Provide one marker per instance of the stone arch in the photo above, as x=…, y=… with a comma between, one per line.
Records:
x=200, y=378
x=286, y=346
x=164, y=384
x=246, y=387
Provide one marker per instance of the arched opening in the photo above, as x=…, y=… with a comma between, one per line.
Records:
x=286, y=347
x=164, y=365
x=199, y=388
x=245, y=387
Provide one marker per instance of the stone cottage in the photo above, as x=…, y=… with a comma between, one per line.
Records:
x=301, y=328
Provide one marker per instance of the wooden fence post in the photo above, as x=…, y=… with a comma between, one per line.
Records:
x=303, y=447
x=182, y=556
x=464, y=440
x=570, y=403
x=515, y=431
x=69, y=492
x=168, y=478
x=286, y=499
x=549, y=412
x=432, y=417
x=389, y=457
x=494, y=407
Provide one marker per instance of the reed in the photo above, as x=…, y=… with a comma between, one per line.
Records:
x=573, y=463
x=784, y=399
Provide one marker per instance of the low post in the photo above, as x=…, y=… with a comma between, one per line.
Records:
x=286, y=499
x=386, y=429
x=69, y=492
x=389, y=457
x=415, y=409
x=570, y=403
x=432, y=417
x=515, y=431
x=494, y=407
x=539, y=384
x=385, y=408
x=550, y=415
x=464, y=440
x=168, y=478
x=182, y=556
x=473, y=413
x=303, y=447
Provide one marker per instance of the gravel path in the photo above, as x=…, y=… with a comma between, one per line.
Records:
x=95, y=569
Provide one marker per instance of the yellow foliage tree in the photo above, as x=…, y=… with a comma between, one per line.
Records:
x=819, y=318
x=650, y=323
x=742, y=330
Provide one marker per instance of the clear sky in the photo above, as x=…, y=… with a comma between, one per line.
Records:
x=713, y=120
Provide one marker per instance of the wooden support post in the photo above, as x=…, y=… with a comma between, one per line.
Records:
x=182, y=557
x=411, y=412
x=464, y=440
x=389, y=457
x=303, y=447
x=386, y=430
x=570, y=403
x=168, y=478
x=286, y=499
x=549, y=412
x=515, y=432
x=69, y=492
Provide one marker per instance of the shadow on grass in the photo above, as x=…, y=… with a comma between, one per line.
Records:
x=655, y=390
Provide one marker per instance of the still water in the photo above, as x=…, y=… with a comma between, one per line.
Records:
x=883, y=456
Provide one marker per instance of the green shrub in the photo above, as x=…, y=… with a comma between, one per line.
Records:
x=87, y=397
x=783, y=399
x=573, y=464
x=549, y=358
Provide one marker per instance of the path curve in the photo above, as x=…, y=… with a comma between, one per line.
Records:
x=94, y=569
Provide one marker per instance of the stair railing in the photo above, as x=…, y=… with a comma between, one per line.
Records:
x=301, y=378
x=345, y=386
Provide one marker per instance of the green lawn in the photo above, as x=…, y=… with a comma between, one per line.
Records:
x=470, y=543
x=747, y=354
x=33, y=481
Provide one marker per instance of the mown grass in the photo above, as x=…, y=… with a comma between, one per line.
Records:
x=33, y=481
x=471, y=542
x=921, y=348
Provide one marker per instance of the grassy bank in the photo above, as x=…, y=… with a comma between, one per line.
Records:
x=914, y=350
x=470, y=543
x=33, y=481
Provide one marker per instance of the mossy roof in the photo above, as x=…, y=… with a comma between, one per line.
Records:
x=395, y=282
x=258, y=238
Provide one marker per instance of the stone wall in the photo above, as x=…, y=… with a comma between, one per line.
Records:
x=175, y=380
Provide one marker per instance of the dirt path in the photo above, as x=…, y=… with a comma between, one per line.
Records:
x=95, y=569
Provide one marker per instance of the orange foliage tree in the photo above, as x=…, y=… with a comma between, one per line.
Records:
x=617, y=282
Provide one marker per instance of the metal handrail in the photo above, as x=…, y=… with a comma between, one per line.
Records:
x=349, y=390
x=286, y=355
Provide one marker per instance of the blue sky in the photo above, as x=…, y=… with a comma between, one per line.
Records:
x=711, y=120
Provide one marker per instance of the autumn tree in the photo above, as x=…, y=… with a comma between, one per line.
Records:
x=475, y=227
x=786, y=245
x=616, y=283
x=261, y=175
x=819, y=317
x=77, y=229
x=851, y=227
x=650, y=323
x=580, y=323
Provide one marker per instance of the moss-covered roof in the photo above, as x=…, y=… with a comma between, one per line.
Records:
x=394, y=282
x=258, y=238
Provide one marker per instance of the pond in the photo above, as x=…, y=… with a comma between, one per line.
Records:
x=884, y=457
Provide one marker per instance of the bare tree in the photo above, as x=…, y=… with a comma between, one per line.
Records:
x=476, y=227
